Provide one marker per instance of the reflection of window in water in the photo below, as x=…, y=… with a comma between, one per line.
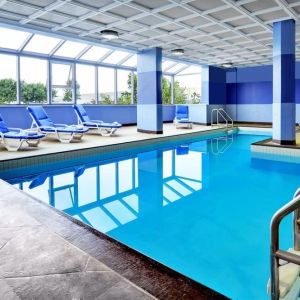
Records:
x=182, y=173
x=107, y=196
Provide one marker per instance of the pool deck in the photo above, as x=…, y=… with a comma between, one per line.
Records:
x=268, y=147
x=45, y=254
x=91, y=140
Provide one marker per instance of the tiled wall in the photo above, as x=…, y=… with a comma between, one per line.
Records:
x=17, y=115
x=249, y=93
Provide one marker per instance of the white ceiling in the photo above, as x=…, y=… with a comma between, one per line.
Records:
x=210, y=31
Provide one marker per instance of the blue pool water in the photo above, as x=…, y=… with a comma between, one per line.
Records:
x=202, y=208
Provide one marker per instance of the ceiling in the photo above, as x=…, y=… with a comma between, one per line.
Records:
x=210, y=31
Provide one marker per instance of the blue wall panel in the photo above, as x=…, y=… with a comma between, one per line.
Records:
x=17, y=115
x=213, y=88
x=253, y=86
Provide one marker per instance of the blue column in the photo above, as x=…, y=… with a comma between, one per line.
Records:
x=284, y=107
x=149, y=106
x=213, y=85
x=213, y=94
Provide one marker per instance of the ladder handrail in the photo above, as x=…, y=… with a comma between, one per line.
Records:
x=291, y=207
x=223, y=114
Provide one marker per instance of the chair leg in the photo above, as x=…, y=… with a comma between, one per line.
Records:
x=106, y=132
x=65, y=137
x=77, y=136
x=33, y=143
x=12, y=144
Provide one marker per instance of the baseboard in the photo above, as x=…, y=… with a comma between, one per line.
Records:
x=150, y=131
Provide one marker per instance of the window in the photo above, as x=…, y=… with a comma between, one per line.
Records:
x=41, y=44
x=187, y=89
x=8, y=79
x=124, y=81
x=166, y=90
x=70, y=49
x=12, y=39
x=94, y=54
x=115, y=57
x=62, y=84
x=33, y=74
x=106, y=85
x=85, y=81
x=130, y=62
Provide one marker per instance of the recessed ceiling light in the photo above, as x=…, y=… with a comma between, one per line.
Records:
x=228, y=65
x=109, y=34
x=177, y=52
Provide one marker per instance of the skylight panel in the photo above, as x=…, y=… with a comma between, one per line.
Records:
x=191, y=70
x=176, y=68
x=12, y=39
x=131, y=62
x=115, y=57
x=95, y=53
x=41, y=44
x=70, y=49
x=166, y=64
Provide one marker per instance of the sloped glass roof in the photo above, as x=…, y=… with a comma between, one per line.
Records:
x=12, y=39
x=42, y=44
x=95, y=53
x=70, y=49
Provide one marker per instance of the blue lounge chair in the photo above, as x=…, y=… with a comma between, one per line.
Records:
x=13, y=138
x=182, y=117
x=64, y=133
x=103, y=128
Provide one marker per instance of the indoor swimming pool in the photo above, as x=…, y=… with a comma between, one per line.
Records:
x=202, y=207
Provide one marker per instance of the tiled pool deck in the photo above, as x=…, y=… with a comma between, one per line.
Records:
x=45, y=254
x=268, y=147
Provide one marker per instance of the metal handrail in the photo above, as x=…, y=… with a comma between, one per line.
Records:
x=220, y=112
x=276, y=254
x=228, y=142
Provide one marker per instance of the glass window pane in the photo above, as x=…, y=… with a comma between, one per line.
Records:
x=12, y=39
x=8, y=76
x=62, y=91
x=187, y=89
x=85, y=81
x=135, y=87
x=70, y=49
x=41, y=44
x=191, y=70
x=33, y=74
x=124, y=86
x=95, y=53
x=166, y=90
x=176, y=68
x=106, y=85
x=115, y=57
x=166, y=64
x=131, y=62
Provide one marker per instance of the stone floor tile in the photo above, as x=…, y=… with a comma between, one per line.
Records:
x=6, y=292
x=123, y=290
x=95, y=265
x=11, y=216
x=39, y=252
x=85, y=285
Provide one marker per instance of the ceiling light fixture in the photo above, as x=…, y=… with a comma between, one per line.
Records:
x=109, y=34
x=227, y=65
x=177, y=52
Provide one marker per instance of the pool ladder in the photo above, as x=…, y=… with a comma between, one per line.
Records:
x=221, y=114
x=221, y=144
x=276, y=254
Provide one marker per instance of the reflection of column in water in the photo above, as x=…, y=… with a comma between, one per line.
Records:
x=150, y=177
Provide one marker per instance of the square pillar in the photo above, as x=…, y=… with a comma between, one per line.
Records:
x=213, y=91
x=149, y=93
x=284, y=108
